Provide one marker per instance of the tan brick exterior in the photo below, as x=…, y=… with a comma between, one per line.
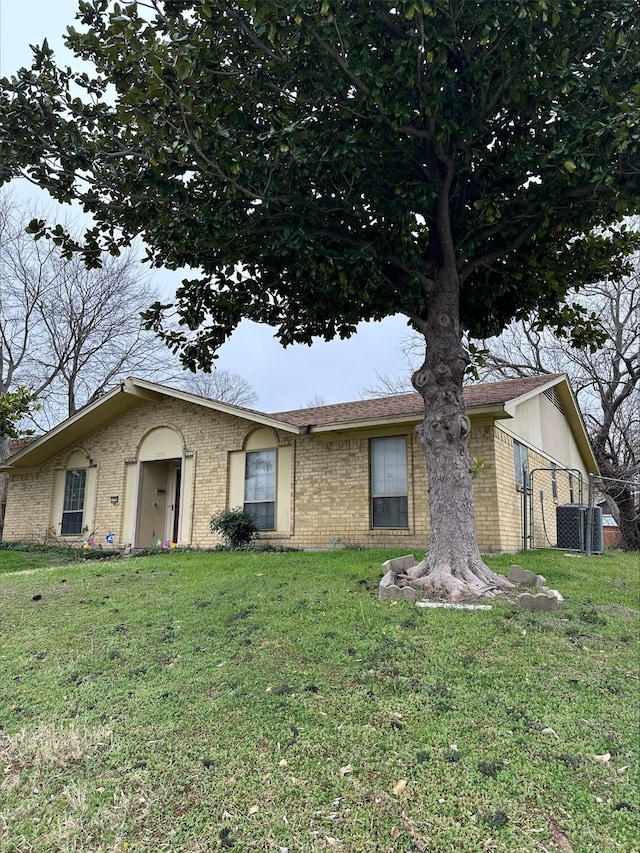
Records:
x=323, y=482
x=29, y=500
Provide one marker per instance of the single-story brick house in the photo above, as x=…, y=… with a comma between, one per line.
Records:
x=147, y=464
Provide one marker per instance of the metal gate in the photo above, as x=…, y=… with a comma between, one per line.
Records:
x=554, y=509
x=560, y=510
x=619, y=499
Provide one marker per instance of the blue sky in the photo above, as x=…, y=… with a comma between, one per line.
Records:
x=284, y=379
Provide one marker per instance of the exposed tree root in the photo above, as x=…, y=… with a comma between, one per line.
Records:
x=456, y=581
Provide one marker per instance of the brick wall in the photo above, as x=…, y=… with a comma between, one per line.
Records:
x=508, y=494
x=209, y=434
x=485, y=500
x=28, y=511
x=330, y=494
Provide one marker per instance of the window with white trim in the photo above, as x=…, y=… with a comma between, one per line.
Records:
x=389, y=501
x=260, y=487
x=75, y=485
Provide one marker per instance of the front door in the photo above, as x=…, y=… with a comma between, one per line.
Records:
x=159, y=503
x=173, y=504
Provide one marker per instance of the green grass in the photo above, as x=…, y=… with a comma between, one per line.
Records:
x=226, y=701
x=17, y=556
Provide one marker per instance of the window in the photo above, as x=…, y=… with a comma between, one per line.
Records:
x=73, y=503
x=260, y=487
x=520, y=462
x=554, y=482
x=389, y=503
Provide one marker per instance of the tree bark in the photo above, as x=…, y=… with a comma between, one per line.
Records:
x=628, y=517
x=452, y=567
x=617, y=489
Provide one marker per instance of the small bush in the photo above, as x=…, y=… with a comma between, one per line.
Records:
x=236, y=526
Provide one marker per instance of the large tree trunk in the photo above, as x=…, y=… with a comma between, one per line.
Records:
x=628, y=517
x=452, y=567
x=616, y=485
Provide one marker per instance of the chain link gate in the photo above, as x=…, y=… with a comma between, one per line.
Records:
x=561, y=510
x=554, y=509
x=621, y=496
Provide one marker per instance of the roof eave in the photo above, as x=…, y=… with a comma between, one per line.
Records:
x=488, y=410
x=560, y=381
x=100, y=412
x=554, y=380
x=142, y=388
x=63, y=435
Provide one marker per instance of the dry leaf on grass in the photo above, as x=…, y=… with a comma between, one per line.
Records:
x=400, y=786
x=559, y=837
x=344, y=771
x=420, y=842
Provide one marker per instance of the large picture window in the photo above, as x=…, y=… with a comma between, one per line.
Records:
x=73, y=505
x=260, y=487
x=389, y=503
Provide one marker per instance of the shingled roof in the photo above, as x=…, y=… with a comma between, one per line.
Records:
x=483, y=394
x=495, y=398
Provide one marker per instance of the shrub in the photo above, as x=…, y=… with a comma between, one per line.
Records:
x=236, y=526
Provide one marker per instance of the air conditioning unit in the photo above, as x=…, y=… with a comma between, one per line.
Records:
x=571, y=525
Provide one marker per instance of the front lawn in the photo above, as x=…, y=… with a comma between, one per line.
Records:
x=270, y=702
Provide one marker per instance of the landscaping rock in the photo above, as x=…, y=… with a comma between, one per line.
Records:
x=408, y=593
x=552, y=593
x=388, y=589
x=399, y=565
x=519, y=575
x=540, y=601
x=433, y=605
x=389, y=579
x=387, y=593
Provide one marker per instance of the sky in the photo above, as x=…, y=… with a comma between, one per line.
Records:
x=283, y=378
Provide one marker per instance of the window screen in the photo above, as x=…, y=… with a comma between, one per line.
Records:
x=260, y=487
x=389, y=504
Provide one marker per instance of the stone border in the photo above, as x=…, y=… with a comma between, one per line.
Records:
x=543, y=599
x=450, y=606
x=388, y=589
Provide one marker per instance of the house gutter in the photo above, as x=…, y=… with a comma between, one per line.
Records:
x=495, y=411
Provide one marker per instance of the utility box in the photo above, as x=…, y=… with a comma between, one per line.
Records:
x=571, y=524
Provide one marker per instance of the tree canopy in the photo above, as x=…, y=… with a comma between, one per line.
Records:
x=14, y=406
x=319, y=163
